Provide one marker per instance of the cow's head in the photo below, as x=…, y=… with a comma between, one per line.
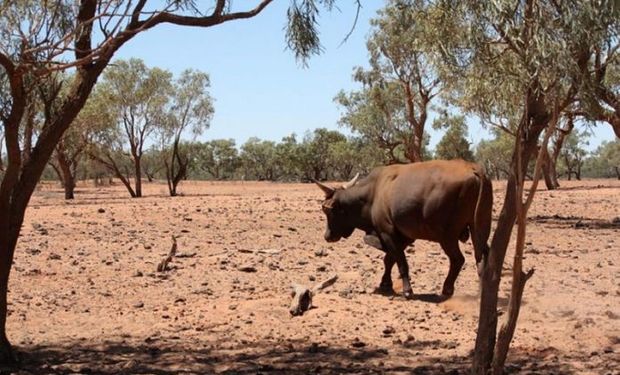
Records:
x=340, y=221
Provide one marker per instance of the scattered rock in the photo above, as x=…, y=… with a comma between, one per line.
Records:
x=388, y=331
x=247, y=268
x=101, y=210
x=357, y=343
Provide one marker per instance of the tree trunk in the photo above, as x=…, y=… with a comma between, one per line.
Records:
x=414, y=146
x=519, y=278
x=68, y=177
x=557, y=148
x=547, y=170
x=578, y=172
x=617, y=169
x=138, y=177
x=8, y=241
x=534, y=120
x=108, y=162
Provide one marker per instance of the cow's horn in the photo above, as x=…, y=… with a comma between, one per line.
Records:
x=326, y=189
x=352, y=182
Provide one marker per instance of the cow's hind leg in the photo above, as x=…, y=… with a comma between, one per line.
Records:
x=386, y=281
x=457, y=260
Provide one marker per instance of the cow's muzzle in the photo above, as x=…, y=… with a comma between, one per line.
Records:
x=331, y=238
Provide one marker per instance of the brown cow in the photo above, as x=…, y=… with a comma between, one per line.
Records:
x=440, y=201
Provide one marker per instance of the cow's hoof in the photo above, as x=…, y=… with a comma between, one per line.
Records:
x=447, y=292
x=408, y=294
x=384, y=290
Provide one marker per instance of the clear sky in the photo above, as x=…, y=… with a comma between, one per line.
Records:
x=258, y=87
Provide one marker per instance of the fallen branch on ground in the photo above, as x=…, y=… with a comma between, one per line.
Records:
x=163, y=265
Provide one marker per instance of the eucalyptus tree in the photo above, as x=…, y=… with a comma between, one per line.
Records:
x=496, y=154
x=259, y=160
x=398, y=55
x=376, y=113
x=190, y=110
x=517, y=66
x=453, y=144
x=289, y=155
x=152, y=163
x=137, y=97
x=353, y=155
x=72, y=149
x=400, y=83
x=315, y=153
x=573, y=154
x=600, y=90
x=605, y=161
x=218, y=158
x=38, y=38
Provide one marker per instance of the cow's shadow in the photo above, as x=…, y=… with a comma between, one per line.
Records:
x=430, y=297
x=424, y=297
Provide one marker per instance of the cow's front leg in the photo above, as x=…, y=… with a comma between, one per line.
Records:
x=403, y=269
x=386, y=281
x=396, y=250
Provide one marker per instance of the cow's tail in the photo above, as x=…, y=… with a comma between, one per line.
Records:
x=482, y=219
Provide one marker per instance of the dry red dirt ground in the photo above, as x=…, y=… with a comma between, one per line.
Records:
x=85, y=295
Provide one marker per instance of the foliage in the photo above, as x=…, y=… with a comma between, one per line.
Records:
x=572, y=155
x=218, y=158
x=604, y=161
x=392, y=107
x=258, y=159
x=190, y=108
x=495, y=154
x=453, y=144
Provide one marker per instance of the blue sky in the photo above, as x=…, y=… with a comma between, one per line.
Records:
x=258, y=87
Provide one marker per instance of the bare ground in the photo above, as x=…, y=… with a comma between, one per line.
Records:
x=85, y=296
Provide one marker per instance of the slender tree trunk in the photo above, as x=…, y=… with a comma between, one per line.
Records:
x=578, y=172
x=547, y=170
x=519, y=278
x=28, y=132
x=108, y=162
x=617, y=169
x=534, y=120
x=8, y=242
x=138, y=177
x=68, y=177
x=414, y=146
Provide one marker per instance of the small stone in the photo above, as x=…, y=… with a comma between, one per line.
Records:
x=247, y=268
x=357, y=343
x=101, y=210
x=54, y=256
x=139, y=305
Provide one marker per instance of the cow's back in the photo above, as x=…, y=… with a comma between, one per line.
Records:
x=433, y=200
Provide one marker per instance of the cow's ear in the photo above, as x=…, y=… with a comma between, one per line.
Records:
x=329, y=191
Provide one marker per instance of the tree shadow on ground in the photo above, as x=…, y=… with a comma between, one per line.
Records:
x=576, y=222
x=163, y=357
